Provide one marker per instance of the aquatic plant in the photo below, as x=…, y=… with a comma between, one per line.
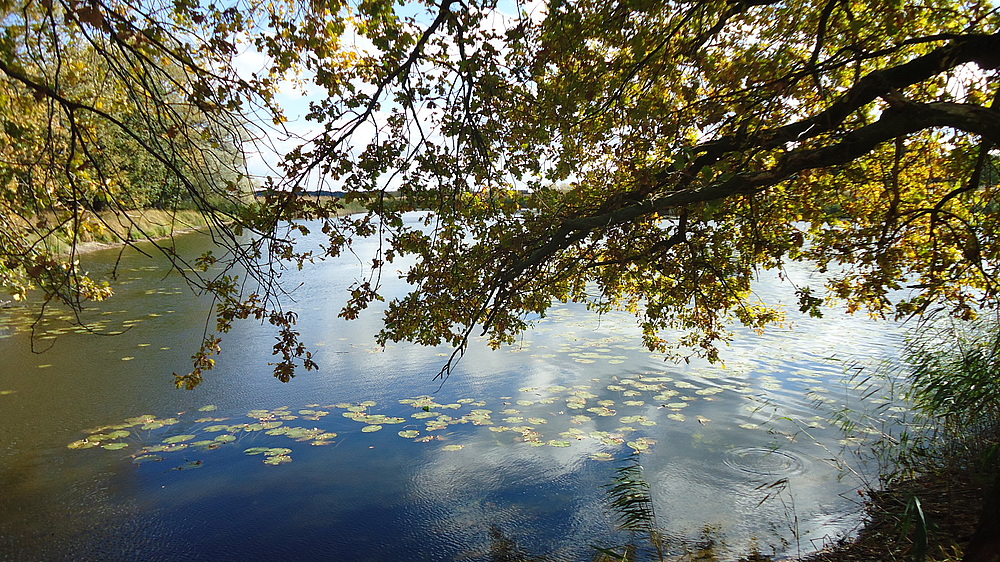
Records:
x=630, y=500
x=149, y=437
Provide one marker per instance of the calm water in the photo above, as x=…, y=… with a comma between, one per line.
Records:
x=516, y=443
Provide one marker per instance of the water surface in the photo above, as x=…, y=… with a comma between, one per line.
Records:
x=517, y=444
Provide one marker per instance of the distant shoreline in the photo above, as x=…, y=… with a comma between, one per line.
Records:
x=132, y=227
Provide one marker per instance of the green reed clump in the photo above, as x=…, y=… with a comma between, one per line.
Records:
x=954, y=370
x=629, y=498
x=935, y=436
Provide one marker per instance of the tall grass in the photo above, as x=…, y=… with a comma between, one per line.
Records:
x=629, y=498
x=936, y=457
x=955, y=375
x=65, y=234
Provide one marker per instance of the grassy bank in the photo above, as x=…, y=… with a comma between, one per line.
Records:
x=65, y=234
x=929, y=517
x=943, y=465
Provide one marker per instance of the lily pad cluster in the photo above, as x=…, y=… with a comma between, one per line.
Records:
x=616, y=414
x=49, y=322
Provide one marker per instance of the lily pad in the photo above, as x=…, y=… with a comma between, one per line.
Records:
x=452, y=447
x=209, y=408
x=409, y=433
x=147, y=458
x=640, y=444
x=302, y=433
x=371, y=428
x=179, y=439
x=278, y=459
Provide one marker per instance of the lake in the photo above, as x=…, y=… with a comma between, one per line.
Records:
x=370, y=459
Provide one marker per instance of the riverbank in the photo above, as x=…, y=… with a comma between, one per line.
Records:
x=950, y=502
x=112, y=229
x=97, y=231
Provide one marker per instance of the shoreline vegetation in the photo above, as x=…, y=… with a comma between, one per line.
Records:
x=930, y=517
x=109, y=229
x=114, y=229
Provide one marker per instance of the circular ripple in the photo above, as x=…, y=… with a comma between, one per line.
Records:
x=763, y=461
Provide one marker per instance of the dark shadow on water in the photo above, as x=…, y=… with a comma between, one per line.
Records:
x=503, y=548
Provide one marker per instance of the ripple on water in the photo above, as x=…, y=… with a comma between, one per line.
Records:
x=763, y=461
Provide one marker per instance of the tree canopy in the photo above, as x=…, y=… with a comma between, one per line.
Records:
x=655, y=156
x=652, y=156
